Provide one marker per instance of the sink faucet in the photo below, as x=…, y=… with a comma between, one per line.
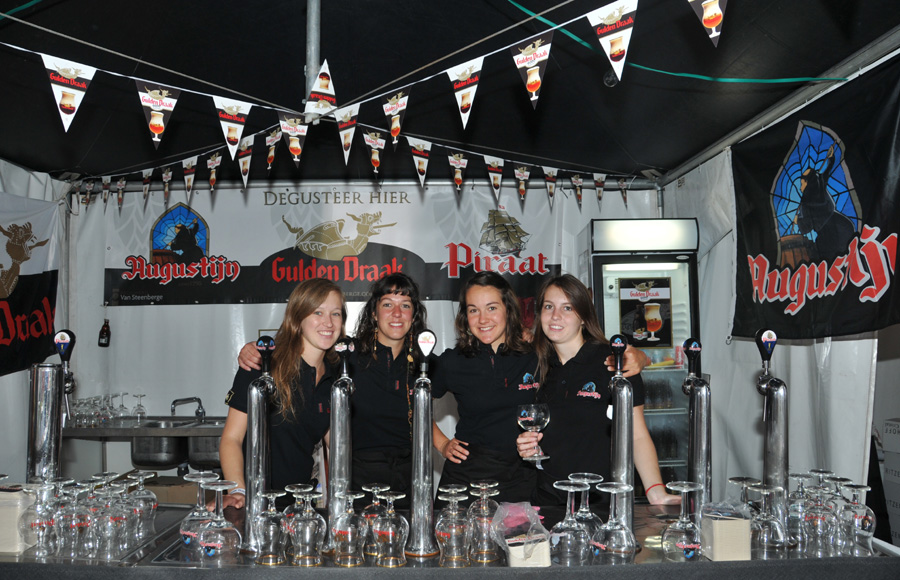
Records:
x=200, y=413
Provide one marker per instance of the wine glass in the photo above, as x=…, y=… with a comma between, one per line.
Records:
x=191, y=524
x=584, y=514
x=372, y=511
x=145, y=506
x=112, y=524
x=269, y=526
x=858, y=522
x=534, y=417
x=820, y=475
x=799, y=501
x=569, y=539
x=219, y=539
x=295, y=509
x=819, y=525
x=73, y=524
x=742, y=484
x=139, y=411
x=391, y=529
x=681, y=540
x=307, y=529
x=768, y=539
x=452, y=531
x=349, y=533
x=482, y=547
x=614, y=542
x=121, y=410
x=36, y=522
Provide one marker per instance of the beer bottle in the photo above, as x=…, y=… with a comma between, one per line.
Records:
x=104, y=334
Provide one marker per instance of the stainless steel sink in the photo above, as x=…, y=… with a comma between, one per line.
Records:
x=203, y=452
x=170, y=448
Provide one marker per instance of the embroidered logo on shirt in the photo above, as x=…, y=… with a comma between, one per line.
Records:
x=528, y=383
x=228, y=397
x=590, y=390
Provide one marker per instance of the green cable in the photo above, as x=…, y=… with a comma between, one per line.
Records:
x=20, y=8
x=685, y=75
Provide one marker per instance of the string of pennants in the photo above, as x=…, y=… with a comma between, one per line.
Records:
x=612, y=23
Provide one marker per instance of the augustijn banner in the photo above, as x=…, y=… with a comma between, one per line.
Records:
x=818, y=213
x=231, y=247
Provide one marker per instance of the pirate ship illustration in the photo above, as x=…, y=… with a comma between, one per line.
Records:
x=502, y=234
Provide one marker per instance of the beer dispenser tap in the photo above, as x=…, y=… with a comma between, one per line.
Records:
x=422, y=543
x=622, y=451
x=48, y=410
x=699, y=446
x=65, y=342
x=339, y=458
x=775, y=415
x=256, y=465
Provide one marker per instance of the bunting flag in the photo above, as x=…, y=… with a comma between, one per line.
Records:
x=88, y=192
x=69, y=81
x=29, y=277
x=420, y=151
x=293, y=130
x=189, y=166
x=212, y=163
x=147, y=175
x=375, y=143
x=613, y=25
x=623, y=187
x=522, y=178
x=458, y=164
x=346, y=121
x=550, y=174
x=166, y=177
x=710, y=13
x=599, y=183
x=495, y=173
x=245, y=152
x=531, y=59
x=577, y=182
x=465, y=82
x=233, y=117
x=120, y=189
x=272, y=140
x=158, y=102
x=106, y=180
x=322, y=98
x=394, y=107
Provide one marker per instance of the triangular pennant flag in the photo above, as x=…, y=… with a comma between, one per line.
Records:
x=458, y=164
x=531, y=58
x=465, y=82
x=599, y=183
x=420, y=151
x=614, y=24
x=189, y=166
x=233, y=117
x=120, y=189
x=147, y=176
x=272, y=140
x=158, y=102
x=106, y=180
x=322, y=98
x=710, y=13
x=166, y=177
x=346, y=121
x=577, y=182
x=623, y=187
x=212, y=163
x=69, y=81
x=245, y=153
x=88, y=191
x=375, y=144
x=495, y=173
x=522, y=177
x=550, y=179
x=394, y=107
x=293, y=130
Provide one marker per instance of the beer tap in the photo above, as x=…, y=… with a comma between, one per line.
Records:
x=699, y=446
x=422, y=542
x=339, y=459
x=64, y=340
x=622, y=446
x=256, y=466
x=48, y=409
x=775, y=415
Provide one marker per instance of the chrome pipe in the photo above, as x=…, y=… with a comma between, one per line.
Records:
x=340, y=451
x=775, y=415
x=256, y=464
x=422, y=542
x=621, y=467
x=699, y=423
x=44, y=422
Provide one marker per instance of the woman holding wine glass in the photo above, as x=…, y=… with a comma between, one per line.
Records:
x=568, y=342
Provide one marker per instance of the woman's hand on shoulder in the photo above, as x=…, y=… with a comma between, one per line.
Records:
x=455, y=450
x=633, y=362
x=249, y=358
x=527, y=443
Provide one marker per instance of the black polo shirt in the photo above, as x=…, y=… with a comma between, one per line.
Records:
x=488, y=388
x=578, y=436
x=291, y=438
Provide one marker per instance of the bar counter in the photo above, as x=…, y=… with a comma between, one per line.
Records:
x=160, y=559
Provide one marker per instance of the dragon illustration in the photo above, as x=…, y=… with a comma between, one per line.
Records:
x=326, y=241
x=19, y=249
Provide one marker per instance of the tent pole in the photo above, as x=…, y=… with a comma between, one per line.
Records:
x=313, y=30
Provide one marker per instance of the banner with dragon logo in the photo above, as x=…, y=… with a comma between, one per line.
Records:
x=817, y=235
x=29, y=266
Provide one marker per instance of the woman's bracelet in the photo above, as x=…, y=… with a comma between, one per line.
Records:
x=646, y=491
x=243, y=491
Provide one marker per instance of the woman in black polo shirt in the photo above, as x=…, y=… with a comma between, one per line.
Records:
x=569, y=343
x=302, y=371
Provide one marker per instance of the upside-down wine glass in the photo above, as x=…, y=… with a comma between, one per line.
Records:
x=269, y=526
x=614, y=542
x=584, y=513
x=768, y=538
x=219, y=539
x=858, y=522
x=569, y=539
x=452, y=529
x=681, y=540
x=349, y=533
x=307, y=532
x=372, y=511
x=199, y=515
x=482, y=547
x=392, y=530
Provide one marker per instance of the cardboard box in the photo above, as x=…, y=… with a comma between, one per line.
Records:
x=540, y=556
x=890, y=435
x=12, y=505
x=892, y=497
x=169, y=489
x=725, y=538
x=891, y=465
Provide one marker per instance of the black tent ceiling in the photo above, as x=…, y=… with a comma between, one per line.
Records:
x=649, y=122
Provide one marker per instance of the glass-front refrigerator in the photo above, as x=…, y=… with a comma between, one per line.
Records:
x=643, y=274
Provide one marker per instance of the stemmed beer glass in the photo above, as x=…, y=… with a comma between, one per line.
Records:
x=534, y=417
x=681, y=540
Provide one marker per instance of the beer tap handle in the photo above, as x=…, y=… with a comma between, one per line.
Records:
x=426, y=341
x=618, y=344
x=765, y=343
x=691, y=348
x=64, y=340
x=344, y=347
x=265, y=345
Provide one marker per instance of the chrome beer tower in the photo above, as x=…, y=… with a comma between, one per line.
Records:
x=699, y=449
x=339, y=459
x=256, y=466
x=775, y=415
x=622, y=445
x=422, y=542
x=48, y=411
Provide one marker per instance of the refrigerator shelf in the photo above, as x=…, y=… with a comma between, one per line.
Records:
x=673, y=411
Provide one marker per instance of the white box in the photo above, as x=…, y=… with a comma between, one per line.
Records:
x=890, y=435
x=891, y=467
x=540, y=556
x=725, y=538
x=12, y=505
x=892, y=497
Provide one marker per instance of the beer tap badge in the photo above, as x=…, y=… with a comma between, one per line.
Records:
x=531, y=60
x=394, y=107
x=158, y=102
x=465, y=82
x=69, y=82
x=322, y=99
x=293, y=130
x=346, y=122
x=232, y=116
x=420, y=150
x=710, y=13
x=495, y=173
x=613, y=25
